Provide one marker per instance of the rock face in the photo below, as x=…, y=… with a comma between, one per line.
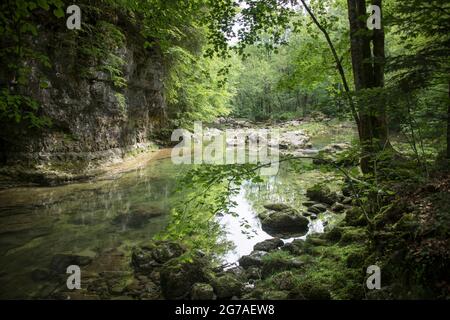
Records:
x=93, y=118
x=284, y=221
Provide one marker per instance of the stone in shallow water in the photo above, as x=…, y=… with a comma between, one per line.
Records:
x=137, y=218
x=285, y=223
x=61, y=261
x=322, y=194
x=268, y=245
x=40, y=274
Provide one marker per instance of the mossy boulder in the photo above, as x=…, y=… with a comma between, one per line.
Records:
x=322, y=194
x=353, y=235
x=311, y=290
x=275, y=295
x=316, y=241
x=355, y=260
x=276, y=206
x=285, y=280
x=278, y=262
x=287, y=222
x=268, y=245
x=153, y=254
x=177, y=276
x=227, y=286
x=254, y=259
x=202, y=291
x=333, y=235
x=296, y=247
x=355, y=217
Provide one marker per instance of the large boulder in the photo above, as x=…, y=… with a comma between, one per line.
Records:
x=285, y=222
x=268, y=245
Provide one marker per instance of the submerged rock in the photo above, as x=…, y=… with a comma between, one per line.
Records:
x=137, y=218
x=284, y=222
x=40, y=274
x=268, y=245
x=61, y=261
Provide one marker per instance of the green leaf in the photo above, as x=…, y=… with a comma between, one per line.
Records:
x=59, y=13
x=43, y=84
x=43, y=4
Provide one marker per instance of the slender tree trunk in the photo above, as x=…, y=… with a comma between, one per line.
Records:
x=337, y=61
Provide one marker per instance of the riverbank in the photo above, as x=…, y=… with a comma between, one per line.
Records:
x=295, y=140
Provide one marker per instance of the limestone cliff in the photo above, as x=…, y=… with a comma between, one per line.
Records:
x=93, y=118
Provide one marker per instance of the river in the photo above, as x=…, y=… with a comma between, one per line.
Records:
x=89, y=219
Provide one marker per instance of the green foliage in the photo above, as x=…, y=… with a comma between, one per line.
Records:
x=195, y=89
x=17, y=57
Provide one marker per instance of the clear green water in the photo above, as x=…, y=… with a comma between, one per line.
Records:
x=85, y=219
x=37, y=223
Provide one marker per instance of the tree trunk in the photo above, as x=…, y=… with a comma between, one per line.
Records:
x=448, y=124
x=368, y=72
